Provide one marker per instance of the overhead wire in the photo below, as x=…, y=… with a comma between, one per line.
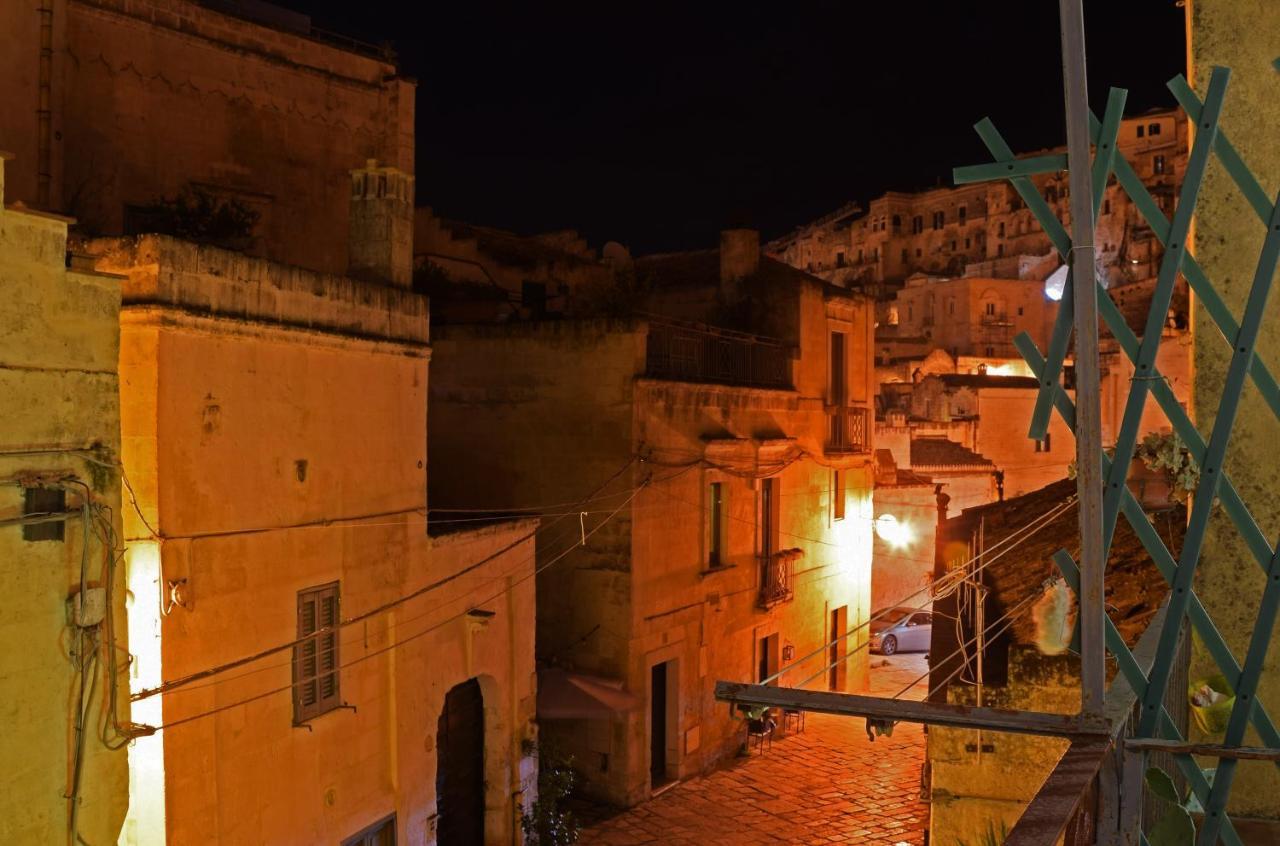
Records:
x=218, y=669
x=1011, y=541
x=396, y=644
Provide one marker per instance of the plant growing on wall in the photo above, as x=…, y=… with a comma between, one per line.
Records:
x=196, y=214
x=546, y=823
x=1169, y=454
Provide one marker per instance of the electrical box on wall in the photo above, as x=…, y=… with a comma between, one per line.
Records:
x=87, y=608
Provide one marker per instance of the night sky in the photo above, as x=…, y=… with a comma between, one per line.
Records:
x=658, y=125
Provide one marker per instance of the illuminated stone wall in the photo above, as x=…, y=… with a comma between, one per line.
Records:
x=276, y=424
x=59, y=336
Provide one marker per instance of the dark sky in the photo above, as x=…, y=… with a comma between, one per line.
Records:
x=658, y=125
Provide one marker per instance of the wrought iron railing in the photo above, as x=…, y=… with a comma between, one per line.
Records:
x=848, y=429
x=702, y=354
x=775, y=578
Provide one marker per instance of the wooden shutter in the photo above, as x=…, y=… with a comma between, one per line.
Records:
x=315, y=661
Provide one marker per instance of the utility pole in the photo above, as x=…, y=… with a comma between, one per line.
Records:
x=1088, y=411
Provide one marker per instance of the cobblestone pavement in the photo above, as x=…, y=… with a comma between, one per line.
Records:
x=827, y=785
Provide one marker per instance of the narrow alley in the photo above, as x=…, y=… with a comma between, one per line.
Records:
x=828, y=784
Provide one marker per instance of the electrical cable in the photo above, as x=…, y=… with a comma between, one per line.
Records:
x=182, y=681
x=574, y=532
x=1015, y=538
x=394, y=645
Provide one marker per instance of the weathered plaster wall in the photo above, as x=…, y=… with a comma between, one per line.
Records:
x=59, y=335
x=1228, y=236
x=901, y=570
x=987, y=778
x=277, y=422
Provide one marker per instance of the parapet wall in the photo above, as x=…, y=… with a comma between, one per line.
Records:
x=164, y=271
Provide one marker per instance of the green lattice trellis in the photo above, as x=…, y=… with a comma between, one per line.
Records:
x=1154, y=720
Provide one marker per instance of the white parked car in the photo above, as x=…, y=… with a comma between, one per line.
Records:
x=901, y=630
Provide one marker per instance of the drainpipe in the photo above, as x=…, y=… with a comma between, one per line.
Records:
x=44, y=112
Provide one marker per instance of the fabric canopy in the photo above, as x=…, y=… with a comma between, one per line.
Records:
x=563, y=695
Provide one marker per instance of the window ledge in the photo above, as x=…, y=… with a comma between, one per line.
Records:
x=717, y=569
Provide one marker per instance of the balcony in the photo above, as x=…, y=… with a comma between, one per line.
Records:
x=685, y=353
x=848, y=429
x=775, y=577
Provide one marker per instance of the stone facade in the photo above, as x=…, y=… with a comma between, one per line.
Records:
x=59, y=339
x=136, y=100
x=688, y=583
x=985, y=229
x=274, y=428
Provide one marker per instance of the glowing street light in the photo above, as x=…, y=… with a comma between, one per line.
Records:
x=892, y=532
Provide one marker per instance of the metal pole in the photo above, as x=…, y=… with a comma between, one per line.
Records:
x=1088, y=412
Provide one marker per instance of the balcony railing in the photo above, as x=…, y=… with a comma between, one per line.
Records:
x=688, y=354
x=775, y=578
x=847, y=429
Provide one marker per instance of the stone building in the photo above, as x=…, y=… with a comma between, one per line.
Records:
x=724, y=414
x=481, y=273
x=985, y=229
x=968, y=317
x=274, y=428
x=59, y=521
x=114, y=106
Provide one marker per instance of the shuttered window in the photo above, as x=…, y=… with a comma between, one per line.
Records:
x=315, y=661
x=379, y=834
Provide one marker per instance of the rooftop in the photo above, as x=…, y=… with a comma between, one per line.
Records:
x=944, y=453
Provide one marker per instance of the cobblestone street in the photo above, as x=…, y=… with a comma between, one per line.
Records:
x=827, y=785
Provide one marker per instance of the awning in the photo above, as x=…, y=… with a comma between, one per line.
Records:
x=563, y=695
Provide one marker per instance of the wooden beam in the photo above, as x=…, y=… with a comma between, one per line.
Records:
x=930, y=713
x=1178, y=747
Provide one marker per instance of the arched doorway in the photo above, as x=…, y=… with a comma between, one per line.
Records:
x=460, y=767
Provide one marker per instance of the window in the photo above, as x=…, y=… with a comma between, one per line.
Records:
x=917, y=252
x=533, y=295
x=991, y=309
x=715, y=525
x=962, y=212
x=44, y=501
x=991, y=351
x=1019, y=311
x=379, y=834
x=953, y=246
x=999, y=249
x=859, y=256
x=1142, y=130
x=837, y=495
x=917, y=224
x=1153, y=130
x=897, y=223
x=315, y=661
x=921, y=619
x=840, y=259
x=836, y=368
x=1106, y=207
x=769, y=512
x=967, y=243
x=1157, y=164
x=1000, y=229
x=1043, y=445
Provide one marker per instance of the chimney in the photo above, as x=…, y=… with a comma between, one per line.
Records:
x=380, y=239
x=739, y=255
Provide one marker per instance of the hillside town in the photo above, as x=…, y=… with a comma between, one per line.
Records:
x=328, y=518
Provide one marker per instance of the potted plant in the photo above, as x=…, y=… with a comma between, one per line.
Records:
x=1162, y=471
